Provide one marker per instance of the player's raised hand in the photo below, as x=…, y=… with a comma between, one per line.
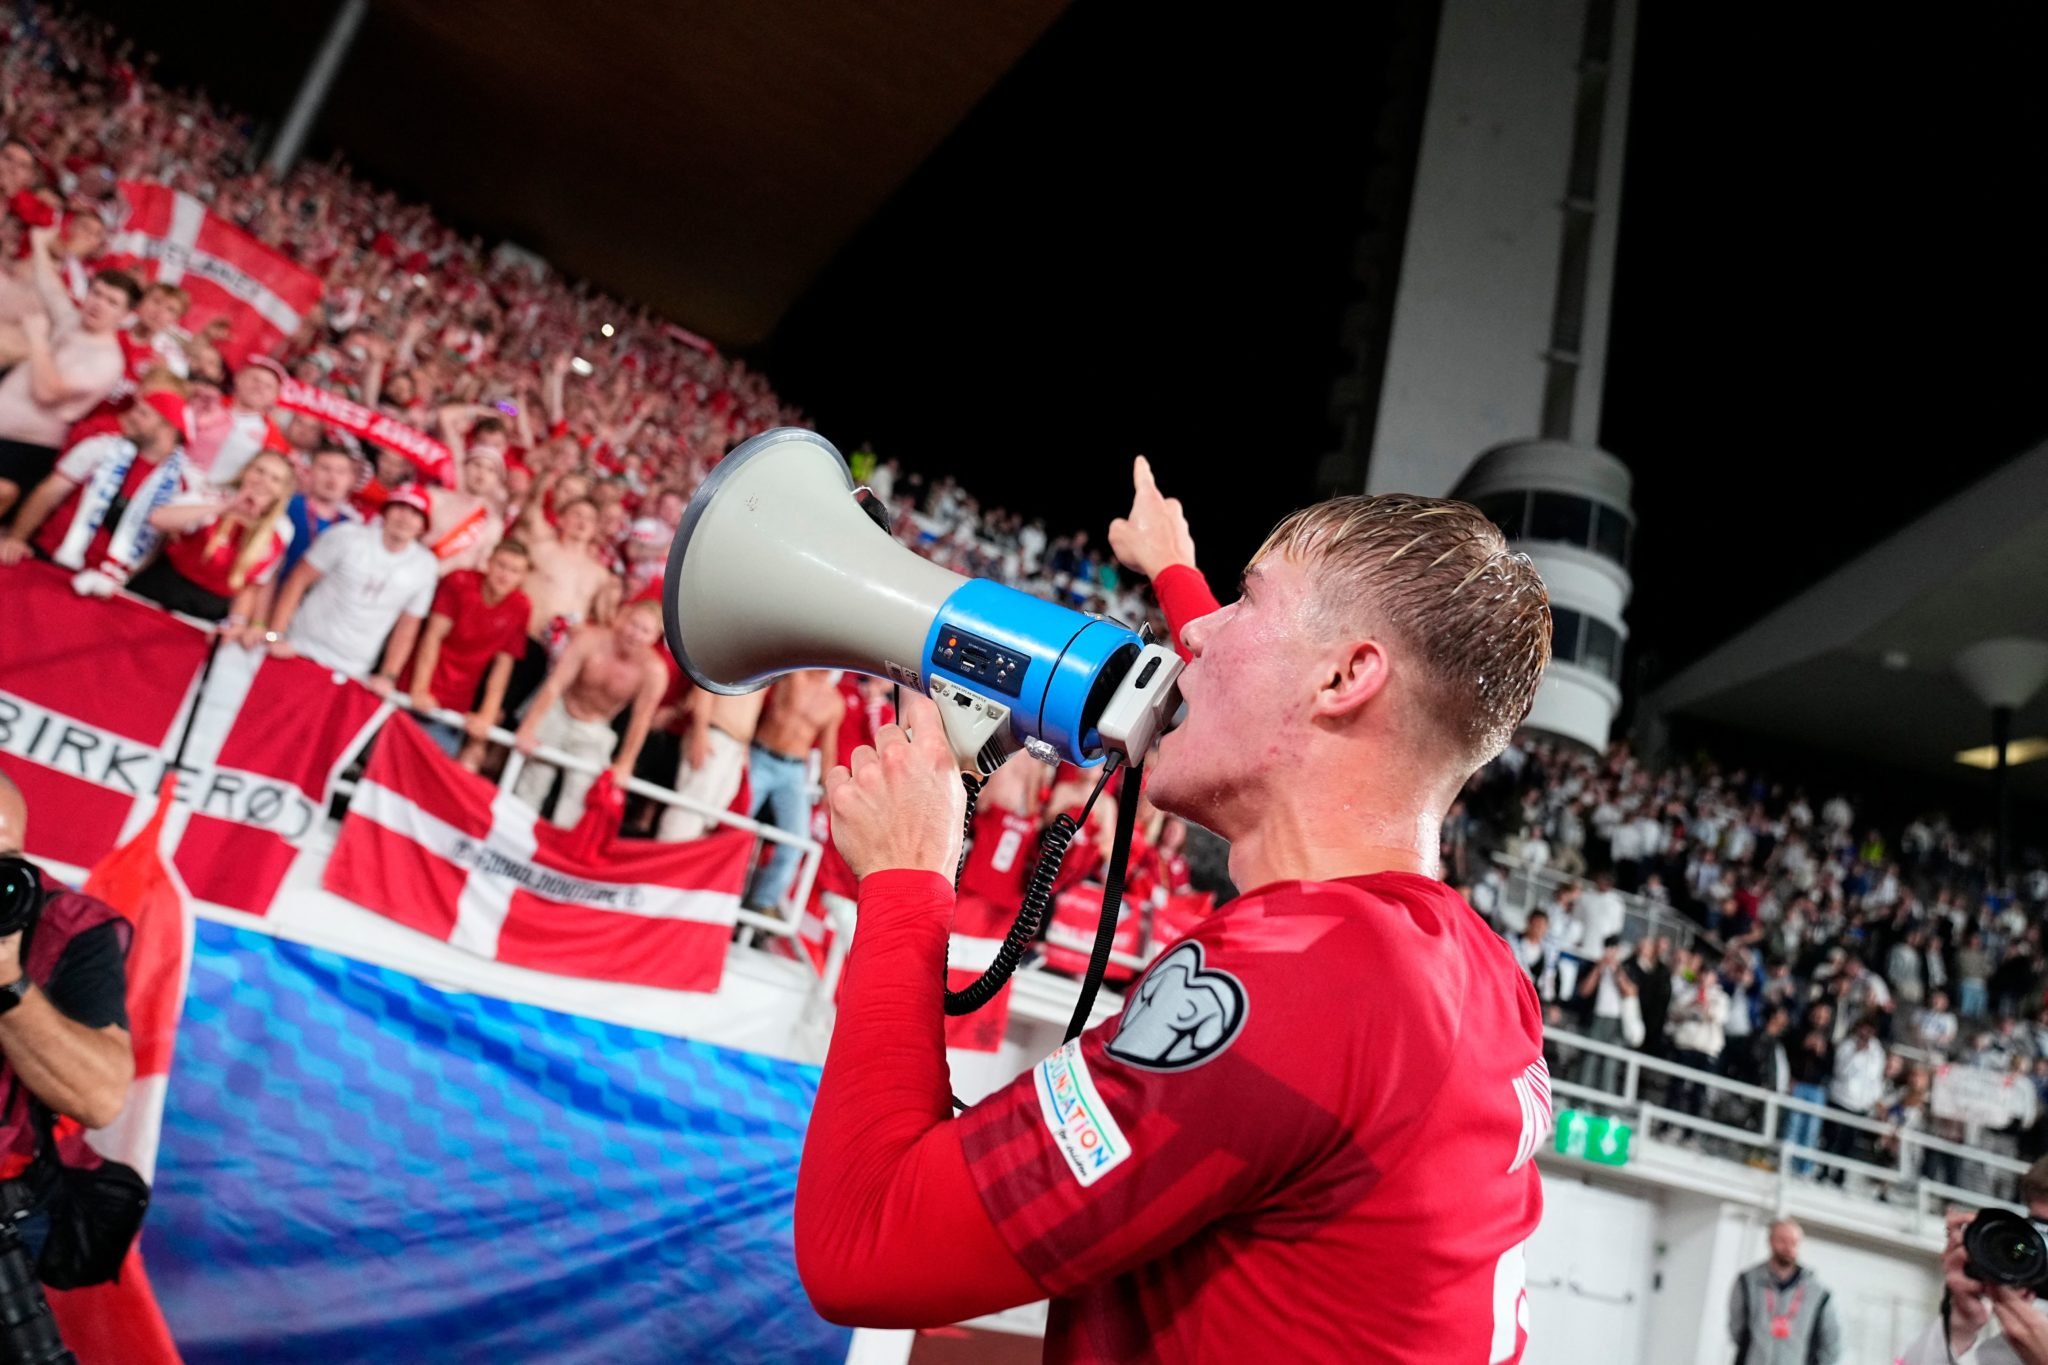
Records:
x=900, y=803
x=1155, y=535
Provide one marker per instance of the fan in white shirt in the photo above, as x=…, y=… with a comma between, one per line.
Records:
x=356, y=586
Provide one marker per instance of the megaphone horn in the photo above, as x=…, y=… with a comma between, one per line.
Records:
x=777, y=568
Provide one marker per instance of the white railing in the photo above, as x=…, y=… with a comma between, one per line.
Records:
x=1531, y=888
x=1905, y=1175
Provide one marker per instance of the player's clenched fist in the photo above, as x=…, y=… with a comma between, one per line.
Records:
x=900, y=804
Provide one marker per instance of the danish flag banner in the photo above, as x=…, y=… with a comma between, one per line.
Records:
x=268, y=741
x=261, y=291
x=92, y=694
x=442, y=851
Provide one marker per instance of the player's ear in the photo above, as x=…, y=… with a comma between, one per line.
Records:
x=1356, y=672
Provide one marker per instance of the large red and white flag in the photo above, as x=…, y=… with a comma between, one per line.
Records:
x=92, y=694
x=441, y=850
x=261, y=291
x=119, y=1323
x=268, y=741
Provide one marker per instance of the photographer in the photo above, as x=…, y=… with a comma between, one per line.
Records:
x=63, y=1031
x=1986, y=1324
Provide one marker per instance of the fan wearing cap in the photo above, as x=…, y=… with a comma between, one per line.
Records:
x=358, y=587
x=92, y=511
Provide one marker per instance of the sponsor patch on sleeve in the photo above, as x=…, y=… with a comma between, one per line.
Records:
x=1081, y=1125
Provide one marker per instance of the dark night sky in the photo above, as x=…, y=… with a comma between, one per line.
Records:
x=1138, y=243
x=1831, y=298
x=1830, y=293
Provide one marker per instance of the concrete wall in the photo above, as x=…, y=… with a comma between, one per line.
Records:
x=1638, y=1275
x=1472, y=314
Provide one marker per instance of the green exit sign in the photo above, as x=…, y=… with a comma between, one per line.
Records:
x=1597, y=1139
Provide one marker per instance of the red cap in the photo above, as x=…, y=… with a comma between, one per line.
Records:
x=170, y=407
x=409, y=495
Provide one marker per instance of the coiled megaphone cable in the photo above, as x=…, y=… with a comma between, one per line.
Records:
x=1052, y=852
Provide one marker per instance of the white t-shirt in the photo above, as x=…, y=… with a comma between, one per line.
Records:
x=363, y=590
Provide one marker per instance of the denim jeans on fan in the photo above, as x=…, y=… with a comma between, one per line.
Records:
x=446, y=738
x=1803, y=1128
x=1973, y=1001
x=782, y=797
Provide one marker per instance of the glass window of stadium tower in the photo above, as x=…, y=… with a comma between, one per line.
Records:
x=1587, y=641
x=1561, y=519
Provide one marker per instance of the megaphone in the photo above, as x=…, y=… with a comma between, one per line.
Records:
x=777, y=567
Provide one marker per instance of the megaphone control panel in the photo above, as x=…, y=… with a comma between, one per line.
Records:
x=979, y=661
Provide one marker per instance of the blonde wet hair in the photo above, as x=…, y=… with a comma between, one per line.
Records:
x=1439, y=578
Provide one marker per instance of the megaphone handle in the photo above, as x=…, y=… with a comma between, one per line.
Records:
x=977, y=727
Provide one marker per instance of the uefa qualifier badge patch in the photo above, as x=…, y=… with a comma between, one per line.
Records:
x=1181, y=1015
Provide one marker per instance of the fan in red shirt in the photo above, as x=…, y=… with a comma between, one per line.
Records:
x=1309, y=1135
x=475, y=633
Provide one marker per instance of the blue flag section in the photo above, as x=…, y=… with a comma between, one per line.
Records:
x=359, y=1167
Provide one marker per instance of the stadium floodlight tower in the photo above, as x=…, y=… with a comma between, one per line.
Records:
x=1486, y=331
x=1567, y=507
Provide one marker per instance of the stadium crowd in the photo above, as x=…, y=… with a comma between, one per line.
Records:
x=1830, y=960
x=141, y=455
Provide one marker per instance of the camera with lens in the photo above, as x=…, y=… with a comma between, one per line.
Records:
x=21, y=894
x=2004, y=1248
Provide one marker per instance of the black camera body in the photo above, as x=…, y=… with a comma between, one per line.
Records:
x=2004, y=1248
x=21, y=894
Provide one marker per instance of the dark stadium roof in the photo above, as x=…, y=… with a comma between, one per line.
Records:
x=1863, y=662
x=706, y=159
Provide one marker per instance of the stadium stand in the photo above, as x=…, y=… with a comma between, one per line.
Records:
x=1714, y=921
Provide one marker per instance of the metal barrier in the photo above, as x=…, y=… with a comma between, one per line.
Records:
x=1530, y=887
x=1580, y=1058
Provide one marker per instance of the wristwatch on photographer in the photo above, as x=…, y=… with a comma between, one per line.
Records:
x=14, y=993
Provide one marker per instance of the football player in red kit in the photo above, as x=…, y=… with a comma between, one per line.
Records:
x=1310, y=1133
